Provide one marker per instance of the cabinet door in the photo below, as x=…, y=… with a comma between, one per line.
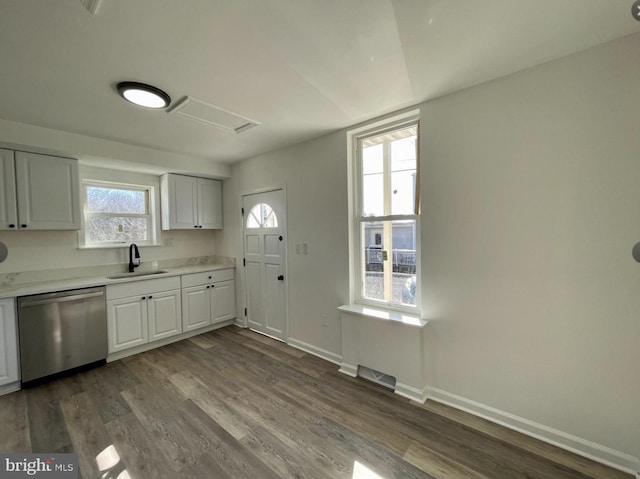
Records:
x=165, y=315
x=196, y=307
x=223, y=301
x=209, y=203
x=181, y=203
x=48, y=192
x=8, y=342
x=127, y=321
x=8, y=205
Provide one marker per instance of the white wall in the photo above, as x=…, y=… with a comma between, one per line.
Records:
x=531, y=190
x=531, y=200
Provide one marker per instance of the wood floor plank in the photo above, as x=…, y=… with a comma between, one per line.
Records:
x=286, y=461
x=137, y=449
x=215, y=408
x=88, y=435
x=15, y=435
x=47, y=427
x=274, y=343
x=165, y=419
x=289, y=360
x=438, y=465
x=203, y=341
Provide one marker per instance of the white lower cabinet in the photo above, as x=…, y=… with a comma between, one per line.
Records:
x=142, y=312
x=208, y=298
x=223, y=301
x=8, y=342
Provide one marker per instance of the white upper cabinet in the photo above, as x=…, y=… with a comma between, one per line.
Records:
x=209, y=203
x=8, y=204
x=190, y=203
x=41, y=192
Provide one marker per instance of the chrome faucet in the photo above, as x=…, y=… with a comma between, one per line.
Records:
x=132, y=266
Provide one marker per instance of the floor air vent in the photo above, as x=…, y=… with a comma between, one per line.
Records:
x=377, y=377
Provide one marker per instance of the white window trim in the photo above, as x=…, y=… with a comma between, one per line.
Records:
x=153, y=227
x=355, y=221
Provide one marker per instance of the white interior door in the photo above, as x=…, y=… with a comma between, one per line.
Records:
x=265, y=254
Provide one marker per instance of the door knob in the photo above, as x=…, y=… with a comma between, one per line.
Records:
x=281, y=278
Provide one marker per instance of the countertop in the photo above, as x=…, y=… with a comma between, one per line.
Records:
x=22, y=289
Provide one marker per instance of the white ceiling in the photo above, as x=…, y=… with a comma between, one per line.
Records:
x=301, y=68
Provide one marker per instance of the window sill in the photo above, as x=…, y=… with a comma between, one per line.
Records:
x=384, y=315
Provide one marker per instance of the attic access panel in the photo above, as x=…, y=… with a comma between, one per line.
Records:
x=202, y=112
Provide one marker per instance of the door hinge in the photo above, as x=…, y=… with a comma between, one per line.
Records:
x=244, y=261
x=245, y=311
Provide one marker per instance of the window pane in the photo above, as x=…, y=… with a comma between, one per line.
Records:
x=403, y=187
x=372, y=159
x=397, y=273
x=372, y=195
x=110, y=228
x=404, y=262
x=115, y=200
x=403, y=154
x=262, y=216
x=403, y=175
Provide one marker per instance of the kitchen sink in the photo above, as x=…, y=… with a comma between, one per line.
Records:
x=135, y=275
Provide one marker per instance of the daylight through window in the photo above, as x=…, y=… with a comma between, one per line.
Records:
x=387, y=216
x=117, y=214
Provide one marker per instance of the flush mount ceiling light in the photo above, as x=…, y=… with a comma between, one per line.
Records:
x=143, y=95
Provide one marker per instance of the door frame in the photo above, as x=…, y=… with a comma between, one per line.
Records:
x=285, y=258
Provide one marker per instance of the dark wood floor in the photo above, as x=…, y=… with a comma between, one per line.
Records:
x=234, y=404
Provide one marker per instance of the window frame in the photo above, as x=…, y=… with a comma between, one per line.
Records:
x=150, y=215
x=357, y=219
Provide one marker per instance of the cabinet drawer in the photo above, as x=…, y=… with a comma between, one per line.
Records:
x=207, y=277
x=134, y=288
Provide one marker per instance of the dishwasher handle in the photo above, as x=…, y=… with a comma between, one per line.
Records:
x=37, y=302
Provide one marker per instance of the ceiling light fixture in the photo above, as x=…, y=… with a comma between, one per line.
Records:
x=143, y=95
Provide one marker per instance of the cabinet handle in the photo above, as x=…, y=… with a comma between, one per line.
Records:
x=195, y=226
x=144, y=297
x=208, y=287
x=150, y=297
x=213, y=285
x=23, y=226
x=209, y=277
x=200, y=226
x=12, y=226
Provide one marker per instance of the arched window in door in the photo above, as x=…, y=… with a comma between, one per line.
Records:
x=262, y=216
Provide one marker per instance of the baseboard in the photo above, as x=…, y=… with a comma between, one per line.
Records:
x=577, y=445
x=9, y=388
x=410, y=392
x=348, y=369
x=316, y=351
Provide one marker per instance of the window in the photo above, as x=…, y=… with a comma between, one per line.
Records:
x=386, y=219
x=262, y=216
x=117, y=213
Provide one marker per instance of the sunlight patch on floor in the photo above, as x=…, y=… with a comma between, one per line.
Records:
x=360, y=471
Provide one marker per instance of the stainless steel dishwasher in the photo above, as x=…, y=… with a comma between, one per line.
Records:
x=61, y=331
